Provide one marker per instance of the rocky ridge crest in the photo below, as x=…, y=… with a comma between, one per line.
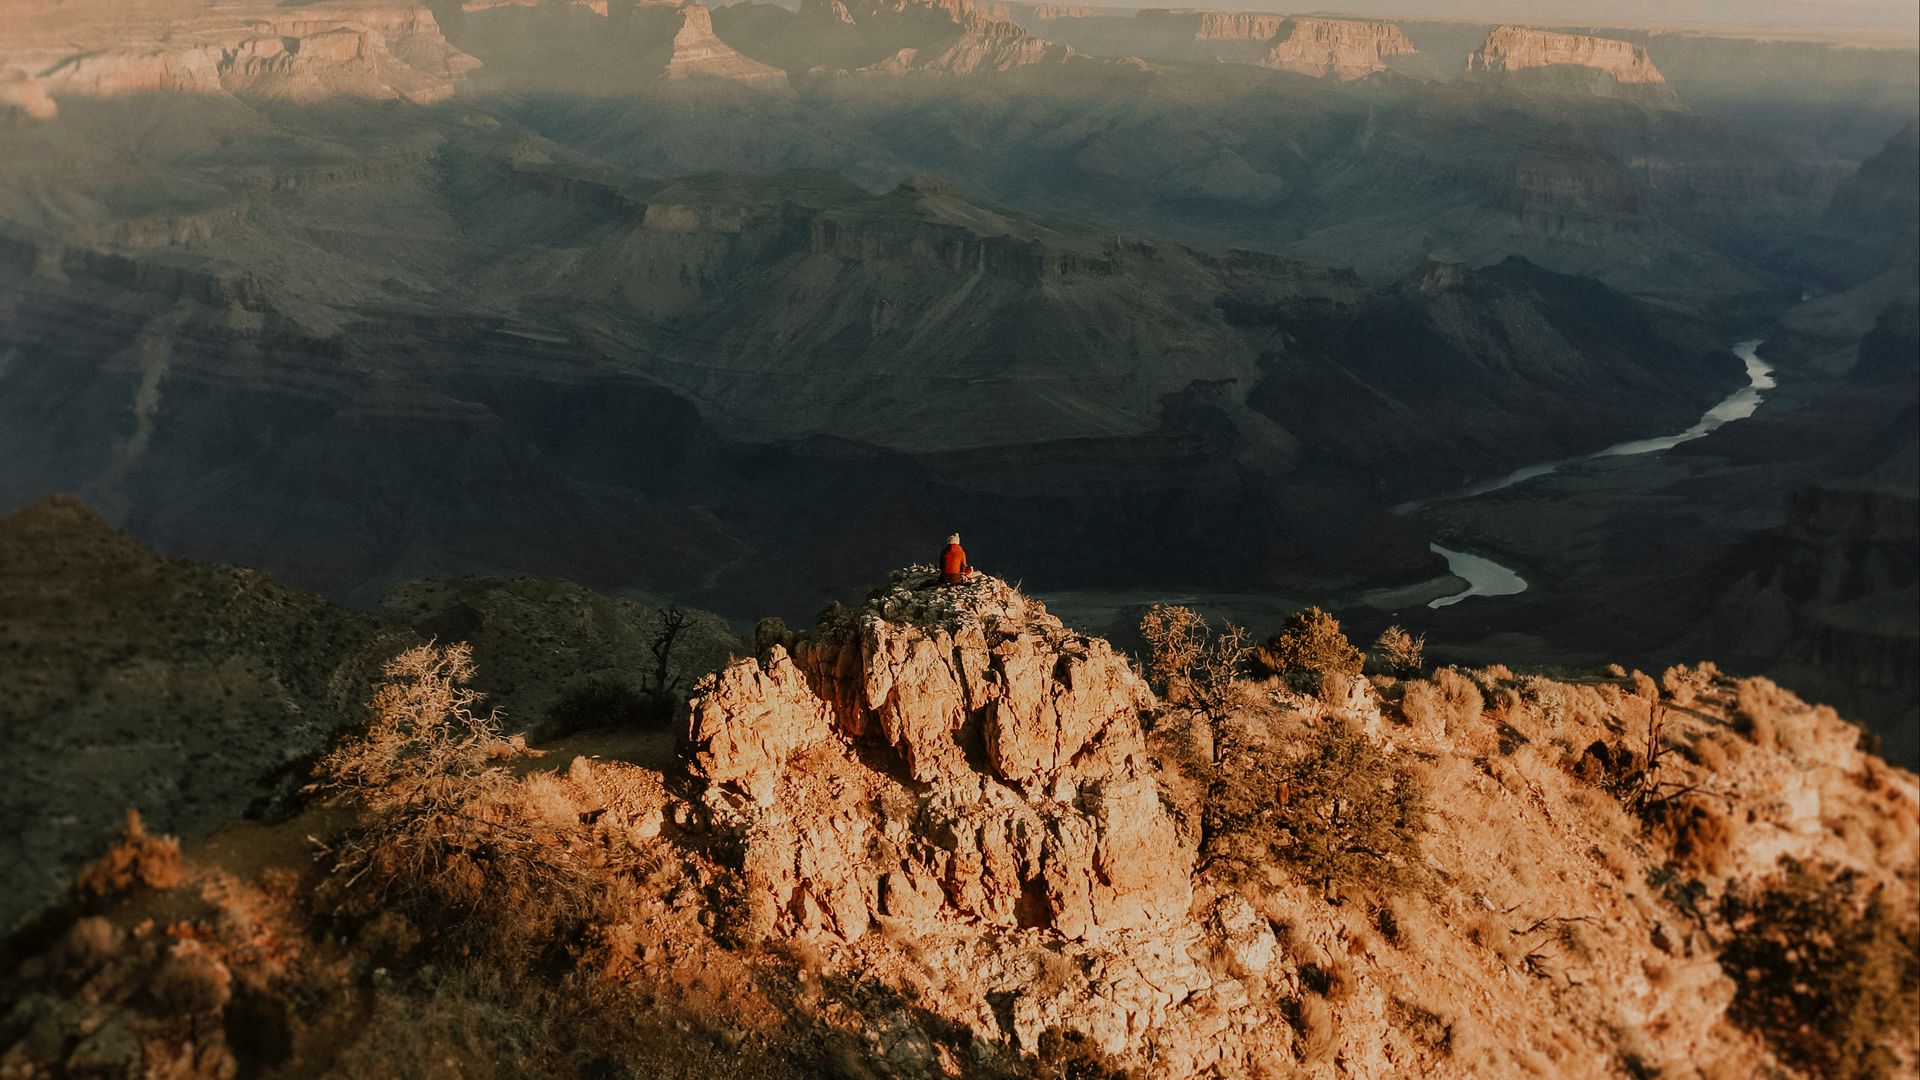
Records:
x=1002, y=751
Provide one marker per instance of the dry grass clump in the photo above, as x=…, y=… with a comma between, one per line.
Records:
x=1427, y=1027
x=1310, y=644
x=1760, y=709
x=1826, y=971
x=1448, y=704
x=1697, y=834
x=136, y=859
x=1684, y=684
x=1316, y=1034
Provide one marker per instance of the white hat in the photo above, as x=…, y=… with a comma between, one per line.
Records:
x=954, y=539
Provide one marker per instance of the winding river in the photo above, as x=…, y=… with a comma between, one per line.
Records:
x=1484, y=577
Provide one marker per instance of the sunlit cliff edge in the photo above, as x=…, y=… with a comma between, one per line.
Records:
x=940, y=833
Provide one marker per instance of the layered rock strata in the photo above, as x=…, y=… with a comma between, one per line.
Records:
x=698, y=53
x=1341, y=48
x=365, y=50
x=1571, y=63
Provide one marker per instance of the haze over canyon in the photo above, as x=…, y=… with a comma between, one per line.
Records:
x=366, y=365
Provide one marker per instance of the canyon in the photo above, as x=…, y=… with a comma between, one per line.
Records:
x=471, y=467
x=930, y=264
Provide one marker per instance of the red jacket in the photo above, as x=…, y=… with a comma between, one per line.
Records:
x=953, y=565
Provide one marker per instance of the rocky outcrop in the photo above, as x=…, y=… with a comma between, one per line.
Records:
x=698, y=53
x=1576, y=64
x=1001, y=755
x=1340, y=48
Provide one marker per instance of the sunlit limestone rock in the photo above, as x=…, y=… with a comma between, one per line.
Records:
x=1004, y=749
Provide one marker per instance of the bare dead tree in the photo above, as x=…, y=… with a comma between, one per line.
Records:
x=673, y=620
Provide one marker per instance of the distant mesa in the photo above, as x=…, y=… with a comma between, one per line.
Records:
x=1217, y=25
x=1577, y=64
x=1339, y=48
x=956, y=37
x=698, y=53
x=364, y=50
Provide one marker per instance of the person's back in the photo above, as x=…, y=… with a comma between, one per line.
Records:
x=953, y=563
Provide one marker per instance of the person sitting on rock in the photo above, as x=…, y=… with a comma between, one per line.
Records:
x=953, y=563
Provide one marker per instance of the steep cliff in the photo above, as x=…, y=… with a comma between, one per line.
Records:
x=940, y=834
x=348, y=48
x=1026, y=799
x=1547, y=61
x=1340, y=48
x=698, y=54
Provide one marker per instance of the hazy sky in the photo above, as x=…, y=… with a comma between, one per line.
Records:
x=1894, y=15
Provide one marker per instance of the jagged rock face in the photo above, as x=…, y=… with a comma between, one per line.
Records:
x=1342, y=48
x=1003, y=750
x=366, y=50
x=1571, y=63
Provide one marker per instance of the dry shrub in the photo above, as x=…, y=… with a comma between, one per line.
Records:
x=1422, y=707
x=1494, y=676
x=1427, y=1027
x=1682, y=685
x=542, y=799
x=192, y=981
x=1188, y=662
x=1644, y=687
x=445, y=837
x=135, y=859
x=607, y=702
x=1334, y=688
x=1490, y=932
x=1448, y=704
x=1709, y=753
x=1310, y=644
x=1330, y=975
x=1317, y=1036
x=89, y=941
x=1070, y=1055
x=1760, y=709
x=1398, y=652
x=389, y=937
x=1826, y=970
x=1463, y=701
x=1390, y=919
x=1699, y=837
x=1323, y=801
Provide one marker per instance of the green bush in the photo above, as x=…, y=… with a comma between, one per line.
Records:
x=1310, y=644
x=607, y=702
x=1328, y=802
